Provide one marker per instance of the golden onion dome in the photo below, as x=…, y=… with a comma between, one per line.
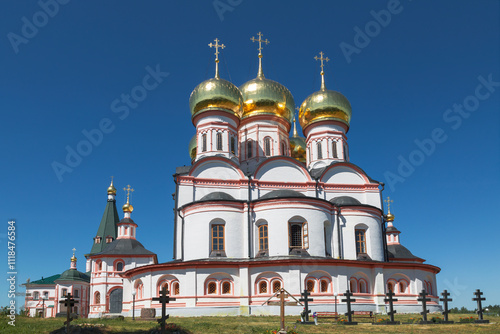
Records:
x=325, y=105
x=216, y=94
x=298, y=148
x=111, y=189
x=193, y=146
x=127, y=207
x=262, y=96
x=389, y=217
x=73, y=258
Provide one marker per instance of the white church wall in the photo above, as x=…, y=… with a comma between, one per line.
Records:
x=282, y=171
x=216, y=169
x=343, y=175
x=369, y=222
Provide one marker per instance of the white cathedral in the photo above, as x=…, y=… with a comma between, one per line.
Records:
x=256, y=211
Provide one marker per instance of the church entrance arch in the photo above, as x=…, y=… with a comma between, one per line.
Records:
x=115, y=301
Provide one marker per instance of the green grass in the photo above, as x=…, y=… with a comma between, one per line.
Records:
x=252, y=324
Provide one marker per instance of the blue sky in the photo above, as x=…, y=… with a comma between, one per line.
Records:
x=406, y=68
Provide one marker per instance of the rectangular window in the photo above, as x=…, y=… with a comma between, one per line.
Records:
x=334, y=149
x=263, y=238
x=267, y=147
x=233, y=146
x=217, y=237
x=360, y=241
x=296, y=236
x=320, y=151
x=204, y=143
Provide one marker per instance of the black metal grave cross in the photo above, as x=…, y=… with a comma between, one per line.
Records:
x=391, y=300
x=306, y=301
x=348, y=300
x=423, y=298
x=69, y=302
x=478, y=299
x=164, y=299
x=445, y=301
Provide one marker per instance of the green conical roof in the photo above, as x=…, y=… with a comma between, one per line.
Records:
x=73, y=275
x=107, y=227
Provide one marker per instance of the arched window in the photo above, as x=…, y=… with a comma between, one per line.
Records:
x=334, y=149
x=204, y=142
x=64, y=292
x=97, y=298
x=310, y=285
x=267, y=146
x=360, y=241
x=97, y=240
x=263, y=238
x=45, y=295
x=263, y=287
x=362, y=286
x=175, y=288
x=226, y=288
x=217, y=237
x=352, y=285
x=249, y=149
x=324, y=286
x=139, y=288
x=276, y=286
x=76, y=293
x=390, y=286
x=119, y=266
x=36, y=295
x=320, y=151
x=233, y=146
x=402, y=287
x=219, y=141
x=296, y=236
x=282, y=148
x=212, y=288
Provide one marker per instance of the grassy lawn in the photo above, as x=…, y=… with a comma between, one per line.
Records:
x=253, y=324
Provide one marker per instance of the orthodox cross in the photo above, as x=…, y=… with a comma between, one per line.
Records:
x=69, y=302
x=260, y=73
x=74, y=250
x=478, y=299
x=306, y=301
x=282, y=294
x=216, y=45
x=423, y=298
x=348, y=300
x=128, y=190
x=163, y=299
x=445, y=301
x=321, y=59
x=260, y=40
x=388, y=201
x=391, y=300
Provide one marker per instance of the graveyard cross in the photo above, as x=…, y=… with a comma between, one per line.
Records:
x=282, y=295
x=163, y=299
x=445, y=301
x=423, y=298
x=306, y=301
x=478, y=299
x=391, y=300
x=348, y=300
x=69, y=302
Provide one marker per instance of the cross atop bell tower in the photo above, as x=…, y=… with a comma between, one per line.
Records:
x=321, y=59
x=260, y=74
x=216, y=45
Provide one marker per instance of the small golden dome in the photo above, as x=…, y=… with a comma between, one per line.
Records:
x=389, y=217
x=298, y=148
x=325, y=105
x=73, y=258
x=193, y=146
x=262, y=96
x=216, y=94
x=127, y=207
x=111, y=189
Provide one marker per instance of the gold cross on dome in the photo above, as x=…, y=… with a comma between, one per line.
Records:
x=388, y=201
x=260, y=40
x=74, y=250
x=128, y=190
x=321, y=60
x=216, y=45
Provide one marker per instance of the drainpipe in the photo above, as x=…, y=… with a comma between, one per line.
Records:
x=182, y=235
x=384, y=237
x=175, y=216
x=249, y=218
